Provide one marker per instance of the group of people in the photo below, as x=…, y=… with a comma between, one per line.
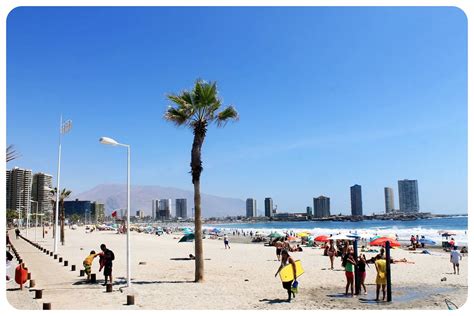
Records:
x=106, y=257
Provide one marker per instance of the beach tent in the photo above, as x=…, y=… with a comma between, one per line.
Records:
x=427, y=241
x=321, y=238
x=382, y=240
x=188, y=237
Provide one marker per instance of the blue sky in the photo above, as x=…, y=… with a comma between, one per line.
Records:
x=327, y=97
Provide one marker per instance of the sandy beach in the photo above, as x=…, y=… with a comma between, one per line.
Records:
x=239, y=278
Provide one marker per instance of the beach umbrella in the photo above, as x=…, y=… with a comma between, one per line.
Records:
x=355, y=235
x=427, y=241
x=382, y=240
x=341, y=237
x=188, y=237
x=321, y=238
x=216, y=230
x=375, y=237
x=302, y=234
x=275, y=235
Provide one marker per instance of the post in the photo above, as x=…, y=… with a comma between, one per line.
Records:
x=128, y=217
x=389, y=276
x=56, y=230
x=356, y=269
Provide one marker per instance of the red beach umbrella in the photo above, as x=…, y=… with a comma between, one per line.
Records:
x=381, y=242
x=321, y=238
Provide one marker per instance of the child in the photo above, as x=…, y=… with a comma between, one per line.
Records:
x=361, y=263
x=88, y=263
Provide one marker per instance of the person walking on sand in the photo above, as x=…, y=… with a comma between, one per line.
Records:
x=107, y=257
x=279, y=247
x=348, y=263
x=381, y=279
x=285, y=260
x=17, y=232
x=455, y=258
x=226, y=242
x=332, y=252
x=361, y=264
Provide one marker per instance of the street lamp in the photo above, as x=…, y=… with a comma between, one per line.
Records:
x=110, y=141
x=36, y=216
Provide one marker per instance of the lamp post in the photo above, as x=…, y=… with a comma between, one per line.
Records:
x=112, y=142
x=64, y=127
x=36, y=216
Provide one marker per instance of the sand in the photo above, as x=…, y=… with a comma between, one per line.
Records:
x=239, y=278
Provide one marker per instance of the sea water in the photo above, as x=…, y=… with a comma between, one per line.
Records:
x=430, y=228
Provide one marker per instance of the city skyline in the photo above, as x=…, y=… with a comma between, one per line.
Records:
x=343, y=63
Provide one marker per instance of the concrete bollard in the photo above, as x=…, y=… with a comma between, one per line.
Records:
x=47, y=252
x=20, y=261
x=108, y=288
x=130, y=300
x=93, y=278
x=60, y=259
x=32, y=283
x=55, y=257
x=28, y=276
x=65, y=263
x=51, y=254
x=47, y=306
x=73, y=267
x=81, y=273
x=38, y=294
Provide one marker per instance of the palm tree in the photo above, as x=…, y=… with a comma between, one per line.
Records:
x=63, y=195
x=197, y=109
x=12, y=153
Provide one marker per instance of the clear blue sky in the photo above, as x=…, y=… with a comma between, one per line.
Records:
x=327, y=97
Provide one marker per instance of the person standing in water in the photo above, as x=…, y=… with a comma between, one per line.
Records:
x=285, y=260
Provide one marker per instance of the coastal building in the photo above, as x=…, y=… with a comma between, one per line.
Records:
x=182, y=208
x=41, y=192
x=389, y=206
x=356, y=200
x=251, y=207
x=97, y=212
x=81, y=208
x=322, y=206
x=408, y=196
x=164, y=209
x=140, y=214
x=153, y=208
x=18, y=190
x=269, y=207
x=309, y=211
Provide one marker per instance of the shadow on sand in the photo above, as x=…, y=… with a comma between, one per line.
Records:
x=274, y=301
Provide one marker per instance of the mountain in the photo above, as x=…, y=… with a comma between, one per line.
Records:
x=114, y=196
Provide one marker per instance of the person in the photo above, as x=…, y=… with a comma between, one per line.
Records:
x=332, y=253
x=422, y=244
x=226, y=242
x=412, y=241
x=361, y=263
x=452, y=244
x=381, y=279
x=298, y=248
x=348, y=264
x=87, y=263
x=285, y=260
x=107, y=257
x=17, y=232
x=417, y=241
x=455, y=258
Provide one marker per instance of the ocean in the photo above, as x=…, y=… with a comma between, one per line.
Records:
x=403, y=229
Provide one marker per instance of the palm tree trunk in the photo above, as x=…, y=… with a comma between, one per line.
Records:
x=196, y=169
x=62, y=224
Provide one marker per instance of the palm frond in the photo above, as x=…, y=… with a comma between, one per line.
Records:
x=176, y=115
x=229, y=113
x=12, y=154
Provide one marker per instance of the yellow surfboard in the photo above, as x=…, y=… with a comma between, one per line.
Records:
x=286, y=273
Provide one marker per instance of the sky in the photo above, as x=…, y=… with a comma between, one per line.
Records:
x=327, y=97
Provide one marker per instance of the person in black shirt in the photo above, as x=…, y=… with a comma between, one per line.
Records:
x=107, y=257
x=361, y=263
x=17, y=233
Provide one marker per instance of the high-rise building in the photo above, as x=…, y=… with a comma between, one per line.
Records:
x=154, y=209
x=81, y=208
x=322, y=206
x=181, y=208
x=41, y=192
x=389, y=206
x=268, y=207
x=356, y=200
x=140, y=214
x=309, y=211
x=164, y=209
x=408, y=196
x=97, y=212
x=251, y=207
x=18, y=195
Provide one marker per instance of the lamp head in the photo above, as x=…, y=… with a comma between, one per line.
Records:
x=108, y=141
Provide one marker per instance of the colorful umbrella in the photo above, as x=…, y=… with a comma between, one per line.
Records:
x=188, y=237
x=275, y=235
x=321, y=238
x=302, y=234
x=381, y=242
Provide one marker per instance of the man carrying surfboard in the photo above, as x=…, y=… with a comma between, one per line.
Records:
x=285, y=261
